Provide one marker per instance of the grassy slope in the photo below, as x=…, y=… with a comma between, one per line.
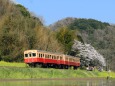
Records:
x=26, y=73
x=14, y=64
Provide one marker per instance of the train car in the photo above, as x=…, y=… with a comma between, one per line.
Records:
x=37, y=58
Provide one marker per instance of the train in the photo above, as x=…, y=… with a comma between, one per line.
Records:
x=38, y=58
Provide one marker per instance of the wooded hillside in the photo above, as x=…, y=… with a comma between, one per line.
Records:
x=100, y=35
x=20, y=30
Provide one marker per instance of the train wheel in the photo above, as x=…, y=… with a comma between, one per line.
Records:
x=66, y=66
x=45, y=66
x=38, y=65
x=75, y=67
x=48, y=65
x=62, y=66
x=31, y=65
x=59, y=66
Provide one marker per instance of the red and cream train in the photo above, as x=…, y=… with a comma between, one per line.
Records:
x=36, y=58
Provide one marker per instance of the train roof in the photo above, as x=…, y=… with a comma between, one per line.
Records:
x=42, y=51
x=50, y=52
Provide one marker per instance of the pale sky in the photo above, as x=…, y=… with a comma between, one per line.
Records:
x=54, y=10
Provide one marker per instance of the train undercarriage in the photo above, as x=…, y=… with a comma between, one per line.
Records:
x=49, y=65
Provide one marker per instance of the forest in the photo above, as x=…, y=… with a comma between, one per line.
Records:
x=21, y=30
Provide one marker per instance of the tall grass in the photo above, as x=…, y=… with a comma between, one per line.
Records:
x=34, y=73
x=12, y=64
x=20, y=71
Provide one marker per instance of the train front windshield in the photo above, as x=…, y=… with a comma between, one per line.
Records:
x=30, y=55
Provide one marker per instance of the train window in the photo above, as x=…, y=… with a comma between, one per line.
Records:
x=70, y=59
x=58, y=57
x=66, y=59
x=30, y=55
x=43, y=55
x=39, y=55
x=54, y=57
x=33, y=54
x=48, y=56
x=73, y=60
x=26, y=55
x=76, y=60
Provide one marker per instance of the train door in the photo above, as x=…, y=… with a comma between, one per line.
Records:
x=26, y=57
x=30, y=57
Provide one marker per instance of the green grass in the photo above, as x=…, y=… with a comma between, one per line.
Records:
x=20, y=71
x=10, y=64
